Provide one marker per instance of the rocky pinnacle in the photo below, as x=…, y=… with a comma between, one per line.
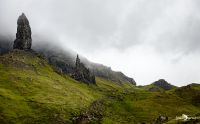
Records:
x=23, y=36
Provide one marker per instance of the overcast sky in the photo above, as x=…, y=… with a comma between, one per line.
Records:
x=145, y=39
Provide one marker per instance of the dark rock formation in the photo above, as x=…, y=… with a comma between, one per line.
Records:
x=23, y=36
x=63, y=59
x=161, y=120
x=81, y=73
x=93, y=114
x=163, y=84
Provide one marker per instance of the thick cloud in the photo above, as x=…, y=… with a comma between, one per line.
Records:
x=145, y=39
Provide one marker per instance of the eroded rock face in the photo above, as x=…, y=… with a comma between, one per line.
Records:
x=83, y=74
x=23, y=36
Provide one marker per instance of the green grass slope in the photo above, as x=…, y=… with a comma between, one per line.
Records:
x=190, y=93
x=142, y=106
x=31, y=91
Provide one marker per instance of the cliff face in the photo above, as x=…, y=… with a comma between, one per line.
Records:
x=64, y=60
x=23, y=36
x=106, y=72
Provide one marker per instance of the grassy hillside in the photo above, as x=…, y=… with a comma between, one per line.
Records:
x=31, y=91
x=190, y=93
x=152, y=88
x=141, y=106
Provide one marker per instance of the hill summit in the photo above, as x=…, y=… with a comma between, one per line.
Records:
x=163, y=84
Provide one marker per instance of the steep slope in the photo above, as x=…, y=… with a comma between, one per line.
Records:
x=106, y=72
x=32, y=91
x=65, y=59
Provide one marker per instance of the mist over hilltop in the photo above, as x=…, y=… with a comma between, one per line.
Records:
x=145, y=40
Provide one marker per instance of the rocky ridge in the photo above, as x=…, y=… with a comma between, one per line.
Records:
x=61, y=59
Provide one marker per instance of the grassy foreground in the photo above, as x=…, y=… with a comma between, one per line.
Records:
x=31, y=91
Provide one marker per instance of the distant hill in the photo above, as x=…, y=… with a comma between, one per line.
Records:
x=164, y=84
x=159, y=86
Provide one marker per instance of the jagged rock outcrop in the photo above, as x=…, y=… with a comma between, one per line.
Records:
x=83, y=74
x=163, y=84
x=161, y=120
x=23, y=39
x=63, y=59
